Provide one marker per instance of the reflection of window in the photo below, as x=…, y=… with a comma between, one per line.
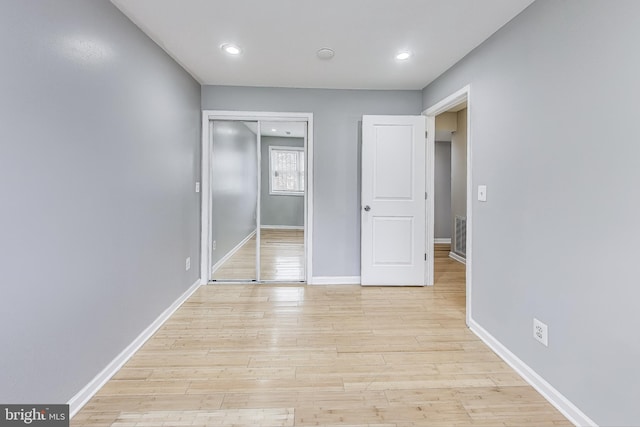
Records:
x=286, y=170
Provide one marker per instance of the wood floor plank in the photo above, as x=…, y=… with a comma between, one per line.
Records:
x=294, y=355
x=224, y=417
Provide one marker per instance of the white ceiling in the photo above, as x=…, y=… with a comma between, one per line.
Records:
x=280, y=38
x=281, y=129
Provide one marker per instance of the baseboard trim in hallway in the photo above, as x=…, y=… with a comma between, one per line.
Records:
x=335, y=280
x=282, y=227
x=457, y=257
x=442, y=241
x=553, y=396
x=83, y=396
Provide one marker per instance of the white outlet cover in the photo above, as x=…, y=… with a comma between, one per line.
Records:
x=482, y=193
x=197, y=187
x=541, y=332
x=187, y=264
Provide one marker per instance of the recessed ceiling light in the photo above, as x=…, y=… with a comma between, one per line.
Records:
x=273, y=130
x=402, y=56
x=325, y=53
x=231, y=49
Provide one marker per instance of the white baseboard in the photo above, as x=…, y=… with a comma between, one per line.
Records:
x=335, y=280
x=442, y=240
x=282, y=227
x=561, y=403
x=457, y=257
x=232, y=252
x=82, y=397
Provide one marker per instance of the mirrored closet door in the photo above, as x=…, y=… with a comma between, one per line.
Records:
x=257, y=200
x=234, y=200
x=282, y=200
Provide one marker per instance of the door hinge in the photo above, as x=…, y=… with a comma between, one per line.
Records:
x=425, y=257
x=426, y=134
x=425, y=195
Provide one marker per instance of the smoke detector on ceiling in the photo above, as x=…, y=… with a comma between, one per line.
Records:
x=325, y=53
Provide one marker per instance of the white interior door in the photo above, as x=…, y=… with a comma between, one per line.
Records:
x=393, y=201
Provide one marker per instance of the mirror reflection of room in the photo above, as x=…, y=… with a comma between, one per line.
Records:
x=282, y=201
x=236, y=217
x=234, y=200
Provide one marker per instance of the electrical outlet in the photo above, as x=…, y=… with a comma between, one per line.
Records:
x=214, y=245
x=540, y=332
x=197, y=187
x=187, y=264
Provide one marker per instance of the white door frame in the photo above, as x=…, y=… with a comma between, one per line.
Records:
x=450, y=101
x=205, y=236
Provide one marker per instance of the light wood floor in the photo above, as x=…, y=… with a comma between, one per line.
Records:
x=268, y=355
x=281, y=258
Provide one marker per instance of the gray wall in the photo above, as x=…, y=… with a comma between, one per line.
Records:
x=442, y=188
x=553, y=118
x=99, y=152
x=234, y=185
x=279, y=209
x=337, y=116
x=459, y=170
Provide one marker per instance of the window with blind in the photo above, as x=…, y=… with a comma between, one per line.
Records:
x=286, y=171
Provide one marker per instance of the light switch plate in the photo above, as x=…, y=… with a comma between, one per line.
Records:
x=482, y=193
x=197, y=187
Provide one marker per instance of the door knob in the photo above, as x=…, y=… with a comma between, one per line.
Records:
x=367, y=208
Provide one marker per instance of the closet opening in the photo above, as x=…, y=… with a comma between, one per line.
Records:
x=256, y=197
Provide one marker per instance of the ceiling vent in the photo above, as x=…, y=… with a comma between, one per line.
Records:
x=325, y=53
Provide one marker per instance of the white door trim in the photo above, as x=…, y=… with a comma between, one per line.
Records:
x=207, y=116
x=429, y=187
x=431, y=113
x=259, y=201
